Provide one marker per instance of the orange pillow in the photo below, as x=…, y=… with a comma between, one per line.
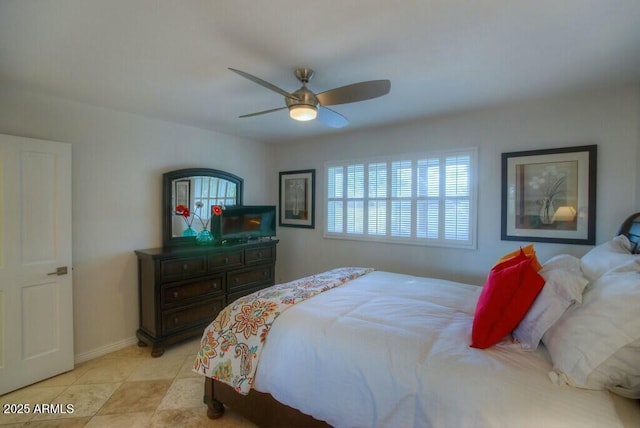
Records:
x=507, y=295
x=529, y=251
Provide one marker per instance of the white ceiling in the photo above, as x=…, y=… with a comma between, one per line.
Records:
x=168, y=59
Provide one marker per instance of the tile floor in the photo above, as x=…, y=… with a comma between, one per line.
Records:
x=127, y=388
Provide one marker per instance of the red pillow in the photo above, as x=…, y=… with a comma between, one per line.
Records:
x=509, y=291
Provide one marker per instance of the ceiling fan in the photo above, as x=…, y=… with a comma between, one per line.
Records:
x=304, y=105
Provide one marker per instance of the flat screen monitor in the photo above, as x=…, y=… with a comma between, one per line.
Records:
x=240, y=223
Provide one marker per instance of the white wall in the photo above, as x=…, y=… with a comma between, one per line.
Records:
x=609, y=118
x=118, y=161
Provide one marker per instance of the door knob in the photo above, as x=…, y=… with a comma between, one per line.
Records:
x=59, y=271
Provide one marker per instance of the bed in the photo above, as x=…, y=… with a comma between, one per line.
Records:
x=389, y=350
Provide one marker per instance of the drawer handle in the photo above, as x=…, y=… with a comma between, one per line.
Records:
x=226, y=260
x=260, y=254
x=265, y=273
x=185, y=267
x=236, y=280
x=175, y=320
x=175, y=294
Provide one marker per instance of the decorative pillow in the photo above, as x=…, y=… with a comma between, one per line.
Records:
x=588, y=335
x=564, y=284
x=505, y=298
x=607, y=256
x=528, y=250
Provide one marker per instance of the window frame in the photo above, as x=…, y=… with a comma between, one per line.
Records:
x=413, y=157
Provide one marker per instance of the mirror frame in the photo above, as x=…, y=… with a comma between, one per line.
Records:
x=168, y=239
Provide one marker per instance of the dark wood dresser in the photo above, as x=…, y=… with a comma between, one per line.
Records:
x=182, y=289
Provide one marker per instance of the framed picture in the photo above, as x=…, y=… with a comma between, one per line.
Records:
x=297, y=198
x=183, y=193
x=550, y=195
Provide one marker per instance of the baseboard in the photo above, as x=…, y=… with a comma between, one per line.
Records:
x=103, y=350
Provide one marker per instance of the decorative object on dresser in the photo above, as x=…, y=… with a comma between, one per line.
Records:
x=184, y=284
x=182, y=289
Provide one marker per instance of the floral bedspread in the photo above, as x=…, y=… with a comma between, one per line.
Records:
x=232, y=343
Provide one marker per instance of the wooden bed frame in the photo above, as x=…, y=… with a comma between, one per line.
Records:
x=258, y=407
x=265, y=411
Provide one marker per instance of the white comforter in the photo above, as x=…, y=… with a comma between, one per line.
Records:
x=392, y=350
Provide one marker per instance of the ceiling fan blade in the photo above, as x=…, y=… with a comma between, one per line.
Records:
x=263, y=112
x=331, y=118
x=354, y=92
x=264, y=83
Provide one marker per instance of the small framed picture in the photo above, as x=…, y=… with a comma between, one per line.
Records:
x=183, y=193
x=297, y=198
x=550, y=195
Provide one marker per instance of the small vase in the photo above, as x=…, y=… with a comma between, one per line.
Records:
x=204, y=237
x=189, y=232
x=546, y=211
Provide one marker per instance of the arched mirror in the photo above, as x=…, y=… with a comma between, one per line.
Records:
x=196, y=190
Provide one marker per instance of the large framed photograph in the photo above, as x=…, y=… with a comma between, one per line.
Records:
x=550, y=195
x=297, y=198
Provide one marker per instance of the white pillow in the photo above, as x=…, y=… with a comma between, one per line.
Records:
x=606, y=256
x=563, y=287
x=621, y=372
x=588, y=335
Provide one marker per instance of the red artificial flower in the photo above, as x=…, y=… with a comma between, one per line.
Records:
x=183, y=211
x=217, y=210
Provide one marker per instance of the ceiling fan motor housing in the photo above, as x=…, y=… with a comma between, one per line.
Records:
x=303, y=97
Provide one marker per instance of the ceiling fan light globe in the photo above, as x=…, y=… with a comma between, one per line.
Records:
x=303, y=113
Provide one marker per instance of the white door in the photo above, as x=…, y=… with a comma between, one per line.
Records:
x=36, y=319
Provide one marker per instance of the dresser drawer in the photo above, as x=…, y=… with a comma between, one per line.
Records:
x=226, y=260
x=185, y=317
x=178, y=293
x=260, y=254
x=249, y=278
x=171, y=270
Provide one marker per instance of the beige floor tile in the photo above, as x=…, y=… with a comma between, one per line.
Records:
x=164, y=367
x=31, y=395
x=86, y=400
x=187, y=367
x=124, y=420
x=58, y=423
x=233, y=420
x=110, y=370
x=192, y=418
x=133, y=351
x=190, y=347
x=139, y=396
x=184, y=394
x=64, y=379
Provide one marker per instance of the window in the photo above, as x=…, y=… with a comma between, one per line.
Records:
x=424, y=199
x=212, y=191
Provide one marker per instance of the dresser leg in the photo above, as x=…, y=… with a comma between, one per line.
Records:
x=141, y=344
x=157, y=351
